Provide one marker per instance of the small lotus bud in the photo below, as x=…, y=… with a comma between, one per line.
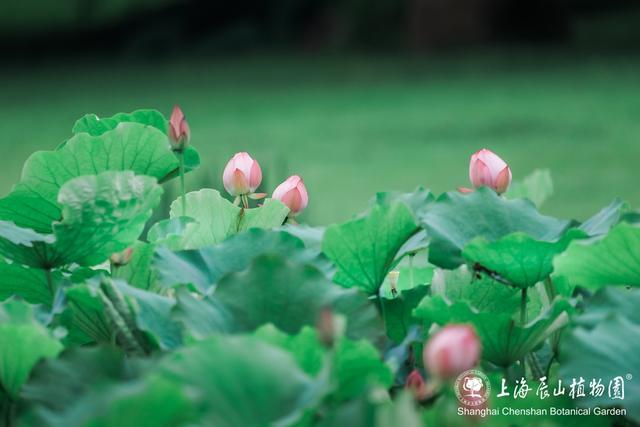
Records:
x=451, y=351
x=326, y=327
x=242, y=175
x=293, y=194
x=120, y=259
x=393, y=281
x=486, y=168
x=179, y=133
x=415, y=383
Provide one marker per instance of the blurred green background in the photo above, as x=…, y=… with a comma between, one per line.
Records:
x=349, y=119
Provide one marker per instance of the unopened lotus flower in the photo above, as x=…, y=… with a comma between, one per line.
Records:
x=293, y=194
x=179, y=133
x=451, y=351
x=487, y=168
x=120, y=259
x=242, y=175
x=326, y=326
x=415, y=383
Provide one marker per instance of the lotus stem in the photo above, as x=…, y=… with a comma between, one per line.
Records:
x=523, y=307
x=119, y=313
x=50, y=285
x=182, y=187
x=523, y=321
x=411, y=257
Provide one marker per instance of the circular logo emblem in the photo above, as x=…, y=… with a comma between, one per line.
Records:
x=472, y=388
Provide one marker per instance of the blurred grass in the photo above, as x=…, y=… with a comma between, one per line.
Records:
x=355, y=125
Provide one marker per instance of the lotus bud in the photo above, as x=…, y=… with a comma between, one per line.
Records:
x=242, y=175
x=179, y=133
x=326, y=327
x=415, y=383
x=393, y=277
x=451, y=351
x=120, y=259
x=293, y=194
x=486, y=168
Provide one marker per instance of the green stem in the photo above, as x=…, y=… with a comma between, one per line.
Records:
x=121, y=317
x=49, y=276
x=245, y=201
x=9, y=413
x=548, y=368
x=523, y=321
x=411, y=270
x=523, y=307
x=182, y=187
x=536, y=369
x=550, y=289
x=383, y=312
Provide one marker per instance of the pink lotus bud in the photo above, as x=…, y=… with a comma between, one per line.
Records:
x=326, y=327
x=486, y=168
x=120, y=259
x=242, y=175
x=293, y=194
x=179, y=132
x=451, y=351
x=415, y=383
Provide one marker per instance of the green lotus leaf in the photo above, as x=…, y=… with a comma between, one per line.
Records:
x=369, y=410
x=203, y=268
x=84, y=317
x=289, y=293
x=607, y=217
x=357, y=364
x=608, y=302
x=149, y=403
x=216, y=218
x=606, y=347
x=139, y=272
x=152, y=313
x=21, y=245
x=199, y=317
x=100, y=387
x=95, y=126
x=102, y=214
x=147, y=315
x=455, y=219
x=412, y=287
x=248, y=383
x=33, y=203
x=305, y=346
x=62, y=382
x=311, y=236
x=504, y=341
x=275, y=290
x=537, y=187
x=23, y=342
x=518, y=258
x=32, y=284
x=364, y=249
x=169, y=232
x=418, y=201
x=611, y=260
x=481, y=292
x=363, y=318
